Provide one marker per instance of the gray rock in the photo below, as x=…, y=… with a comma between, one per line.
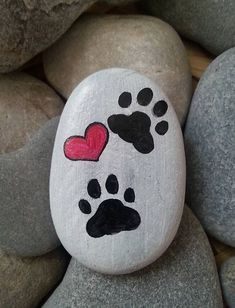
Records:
x=24, y=282
x=185, y=276
x=26, y=103
x=27, y=27
x=141, y=43
x=209, y=141
x=26, y=226
x=208, y=22
x=227, y=279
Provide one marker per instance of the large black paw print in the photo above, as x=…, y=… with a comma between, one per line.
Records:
x=112, y=216
x=135, y=128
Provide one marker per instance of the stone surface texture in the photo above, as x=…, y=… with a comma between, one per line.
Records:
x=29, y=26
x=209, y=22
x=117, y=235
x=185, y=276
x=24, y=282
x=26, y=103
x=26, y=226
x=209, y=142
x=142, y=43
x=227, y=278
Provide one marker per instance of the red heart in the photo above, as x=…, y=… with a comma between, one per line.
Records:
x=89, y=147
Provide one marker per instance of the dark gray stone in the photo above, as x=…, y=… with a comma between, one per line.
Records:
x=208, y=22
x=26, y=226
x=227, y=278
x=185, y=276
x=27, y=27
x=209, y=142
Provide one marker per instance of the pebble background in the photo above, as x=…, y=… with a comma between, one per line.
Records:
x=28, y=281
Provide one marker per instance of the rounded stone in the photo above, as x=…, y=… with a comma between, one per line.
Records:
x=185, y=276
x=26, y=227
x=26, y=103
x=209, y=22
x=102, y=153
x=142, y=43
x=24, y=282
x=28, y=27
x=209, y=142
x=227, y=278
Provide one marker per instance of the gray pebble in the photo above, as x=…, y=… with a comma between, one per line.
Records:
x=26, y=227
x=208, y=22
x=185, y=276
x=227, y=278
x=209, y=142
x=24, y=282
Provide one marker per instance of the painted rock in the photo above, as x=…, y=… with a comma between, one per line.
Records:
x=117, y=180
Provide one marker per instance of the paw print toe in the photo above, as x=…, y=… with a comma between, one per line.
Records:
x=161, y=128
x=84, y=206
x=145, y=96
x=94, y=189
x=129, y=195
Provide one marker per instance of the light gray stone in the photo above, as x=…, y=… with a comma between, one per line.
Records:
x=208, y=22
x=29, y=26
x=185, y=276
x=24, y=282
x=26, y=103
x=209, y=141
x=26, y=226
x=227, y=278
x=142, y=43
x=140, y=149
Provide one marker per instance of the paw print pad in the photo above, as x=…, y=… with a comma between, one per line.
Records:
x=135, y=128
x=112, y=216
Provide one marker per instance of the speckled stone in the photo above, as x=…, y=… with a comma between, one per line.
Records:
x=209, y=142
x=208, y=22
x=26, y=103
x=28, y=27
x=185, y=276
x=26, y=226
x=24, y=282
x=227, y=279
x=141, y=43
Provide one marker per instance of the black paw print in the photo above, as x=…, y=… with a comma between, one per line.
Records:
x=135, y=128
x=112, y=216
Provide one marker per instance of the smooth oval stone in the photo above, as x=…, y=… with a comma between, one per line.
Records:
x=209, y=142
x=185, y=276
x=141, y=43
x=118, y=173
x=227, y=278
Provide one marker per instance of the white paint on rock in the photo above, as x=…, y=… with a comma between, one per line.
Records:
x=158, y=178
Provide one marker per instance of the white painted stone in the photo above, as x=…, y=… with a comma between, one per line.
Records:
x=157, y=176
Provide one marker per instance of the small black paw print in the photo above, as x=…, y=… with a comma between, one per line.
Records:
x=135, y=128
x=112, y=216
